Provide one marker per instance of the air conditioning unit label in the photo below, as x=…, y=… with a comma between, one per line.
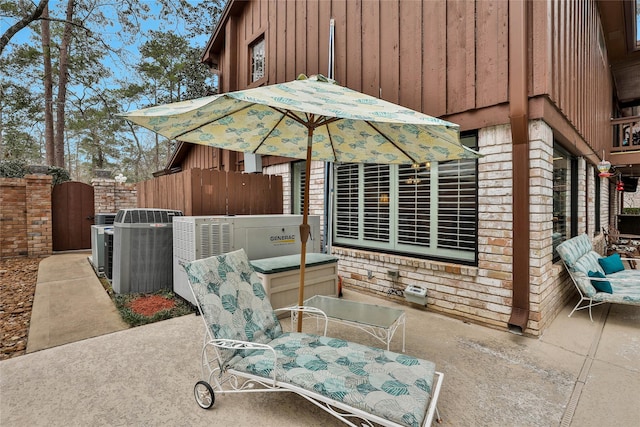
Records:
x=159, y=225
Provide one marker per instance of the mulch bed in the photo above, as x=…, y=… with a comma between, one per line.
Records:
x=140, y=309
x=148, y=305
x=18, y=277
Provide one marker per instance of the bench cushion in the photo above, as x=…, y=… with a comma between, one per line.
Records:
x=611, y=264
x=390, y=385
x=290, y=262
x=625, y=287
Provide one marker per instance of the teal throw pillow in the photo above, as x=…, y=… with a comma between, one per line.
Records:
x=611, y=264
x=600, y=285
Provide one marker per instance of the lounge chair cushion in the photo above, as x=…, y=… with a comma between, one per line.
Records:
x=391, y=385
x=611, y=264
x=223, y=284
x=388, y=385
x=600, y=285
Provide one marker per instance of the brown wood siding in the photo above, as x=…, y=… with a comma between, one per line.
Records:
x=445, y=58
x=569, y=68
x=203, y=157
x=492, y=39
x=382, y=48
x=434, y=58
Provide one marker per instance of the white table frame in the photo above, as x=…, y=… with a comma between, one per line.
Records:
x=383, y=333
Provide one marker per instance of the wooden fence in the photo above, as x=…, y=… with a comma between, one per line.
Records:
x=212, y=192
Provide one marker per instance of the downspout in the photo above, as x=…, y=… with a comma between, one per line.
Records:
x=519, y=119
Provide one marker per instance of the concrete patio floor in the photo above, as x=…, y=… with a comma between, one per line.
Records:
x=578, y=373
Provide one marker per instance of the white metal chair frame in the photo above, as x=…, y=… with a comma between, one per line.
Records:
x=228, y=381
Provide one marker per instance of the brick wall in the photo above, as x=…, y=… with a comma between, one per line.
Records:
x=483, y=294
x=25, y=212
x=25, y=216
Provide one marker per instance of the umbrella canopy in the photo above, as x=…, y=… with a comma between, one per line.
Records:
x=308, y=118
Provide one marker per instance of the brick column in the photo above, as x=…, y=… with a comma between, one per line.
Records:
x=13, y=232
x=110, y=196
x=38, y=215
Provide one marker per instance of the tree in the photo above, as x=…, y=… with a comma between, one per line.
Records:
x=19, y=8
x=65, y=69
x=63, y=78
x=174, y=72
x=48, y=87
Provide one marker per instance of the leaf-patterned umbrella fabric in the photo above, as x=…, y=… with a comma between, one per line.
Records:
x=347, y=126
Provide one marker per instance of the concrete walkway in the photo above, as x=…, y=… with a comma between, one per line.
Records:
x=578, y=374
x=70, y=303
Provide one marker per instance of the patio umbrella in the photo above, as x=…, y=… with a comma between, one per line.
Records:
x=308, y=118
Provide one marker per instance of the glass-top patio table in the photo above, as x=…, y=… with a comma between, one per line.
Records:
x=379, y=321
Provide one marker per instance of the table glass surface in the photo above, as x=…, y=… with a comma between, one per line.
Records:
x=353, y=311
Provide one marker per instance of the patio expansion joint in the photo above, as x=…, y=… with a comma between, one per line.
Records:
x=567, y=417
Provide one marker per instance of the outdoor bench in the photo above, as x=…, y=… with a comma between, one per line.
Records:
x=585, y=266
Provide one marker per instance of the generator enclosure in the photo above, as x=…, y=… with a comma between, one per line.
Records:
x=261, y=236
x=142, y=250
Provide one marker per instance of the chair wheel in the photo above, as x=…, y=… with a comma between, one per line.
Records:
x=204, y=394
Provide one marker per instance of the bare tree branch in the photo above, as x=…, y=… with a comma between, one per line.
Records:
x=8, y=35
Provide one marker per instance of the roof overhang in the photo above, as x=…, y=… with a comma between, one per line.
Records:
x=216, y=42
x=618, y=19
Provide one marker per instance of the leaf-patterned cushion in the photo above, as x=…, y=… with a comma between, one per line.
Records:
x=235, y=306
x=232, y=300
x=391, y=385
x=580, y=258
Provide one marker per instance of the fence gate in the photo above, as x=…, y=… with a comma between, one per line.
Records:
x=72, y=216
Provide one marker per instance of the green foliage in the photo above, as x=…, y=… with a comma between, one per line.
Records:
x=59, y=175
x=18, y=169
x=13, y=169
x=631, y=211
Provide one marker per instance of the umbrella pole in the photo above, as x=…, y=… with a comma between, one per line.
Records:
x=304, y=227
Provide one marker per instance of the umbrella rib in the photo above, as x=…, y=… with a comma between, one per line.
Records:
x=391, y=142
x=333, y=148
x=270, y=131
x=311, y=122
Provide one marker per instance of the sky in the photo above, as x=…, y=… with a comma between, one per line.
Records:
x=109, y=34
x=57, y=8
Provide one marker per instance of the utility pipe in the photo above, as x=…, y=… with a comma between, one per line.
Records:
x=519, y=119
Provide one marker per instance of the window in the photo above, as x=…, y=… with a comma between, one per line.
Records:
x=299, y=172
x=427, y=210
x=565, y=197
x=257, y=59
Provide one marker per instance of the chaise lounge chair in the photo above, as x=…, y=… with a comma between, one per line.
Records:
x=246, y=350
x=585, y=266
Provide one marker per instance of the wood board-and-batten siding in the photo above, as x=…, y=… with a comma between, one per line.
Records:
x=446, y=58
x=382, y=49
